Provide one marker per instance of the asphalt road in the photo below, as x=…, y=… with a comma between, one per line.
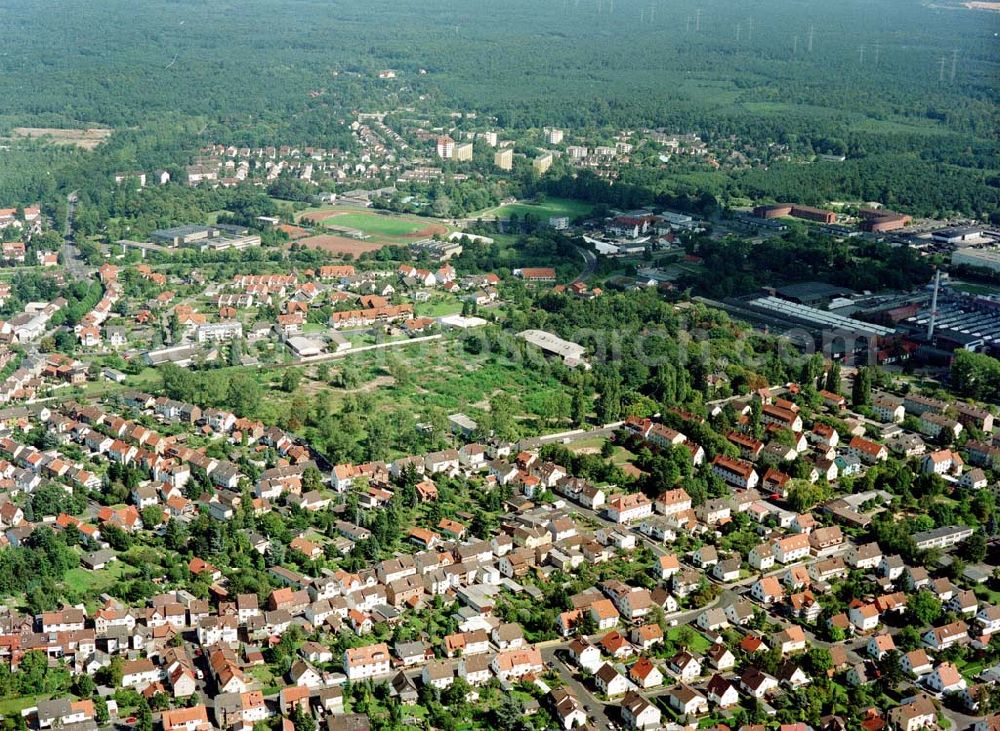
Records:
x=589, y=263
x=75, y=265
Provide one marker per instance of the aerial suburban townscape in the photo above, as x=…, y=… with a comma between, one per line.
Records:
x=516, y=366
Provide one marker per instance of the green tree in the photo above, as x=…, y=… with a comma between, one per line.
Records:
x=803, y=495
x=861, y=390
x=833, y=378
x=820, y=660
x=302, y=720
x=609, y=402
x=580, y=405
x=924, y=607
x=973, y=548
x=143, y=716
x=291, y=379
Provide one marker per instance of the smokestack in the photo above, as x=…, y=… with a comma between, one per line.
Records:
x=930, y=325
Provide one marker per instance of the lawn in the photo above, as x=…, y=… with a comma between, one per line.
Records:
x=439, y=308
x=587, y=446
x=13, y=706
x=699, y=643
x=548, y=208
x=94, y=582
x=263, y=675
x=987, y=594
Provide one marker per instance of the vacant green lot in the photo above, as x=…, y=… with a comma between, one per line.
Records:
x=544, y=210
x=438, y=376
x=84, y=581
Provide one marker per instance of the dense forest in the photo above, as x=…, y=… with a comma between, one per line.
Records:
x=907, y=91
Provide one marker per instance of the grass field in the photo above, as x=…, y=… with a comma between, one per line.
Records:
x=381, y=229
x=439, y=308
x=377, y=225
x=388, y=226
x=84, y=581
x=549, y=208
x=975, y=288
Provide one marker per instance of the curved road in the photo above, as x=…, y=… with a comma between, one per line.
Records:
x=589, y=263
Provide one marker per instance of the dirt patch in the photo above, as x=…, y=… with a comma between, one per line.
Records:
x=374, y=384
x=340, y=245
x=434, y=229
x=314, y=387
x=317, y=216
x=86, y=139
x=295, y=232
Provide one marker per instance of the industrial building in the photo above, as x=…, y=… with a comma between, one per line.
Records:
x=814, y=317
x=879, y=220
x=835, y=335
x=216, y=238
x=964, y=321
x=981, y=258
x=808, y=213
x=439, y=251
x=958, y=234
x=811, y=293
x=571, y=353
x=180, y=235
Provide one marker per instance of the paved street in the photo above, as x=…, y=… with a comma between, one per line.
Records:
x=75, y=266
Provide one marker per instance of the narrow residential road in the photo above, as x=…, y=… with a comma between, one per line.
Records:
x=75, y=266
x=589, y=263
x=574, y=435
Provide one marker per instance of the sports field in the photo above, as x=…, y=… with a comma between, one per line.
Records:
x=381, y=227
x=334, y=227
x=378, y=224
x=549, y=208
